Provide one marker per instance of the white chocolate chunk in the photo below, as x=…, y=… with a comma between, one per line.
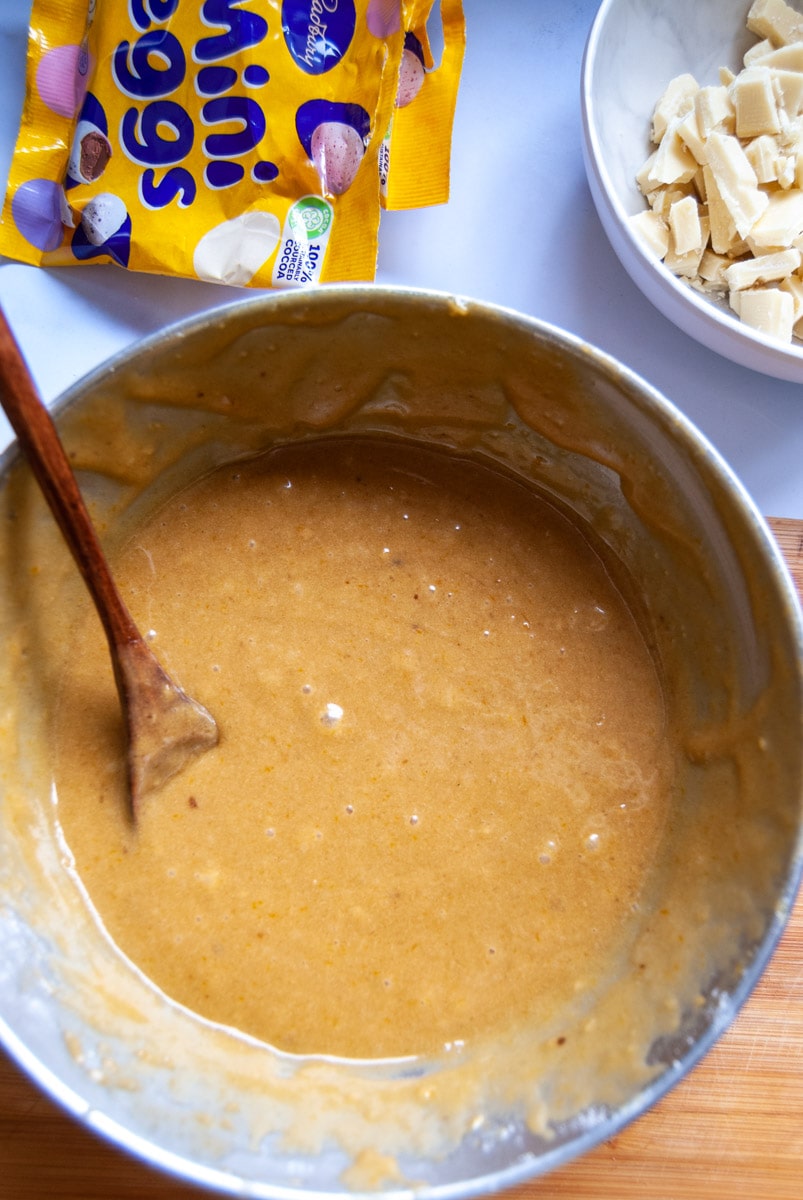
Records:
x=768, y=310
x=723, y=230
x=782, y=223
x=684, y=225
x=714, y=110
x=764, y=269
x=676, y=101
x=757, y=52
x=712, y=270
x=787, y=88
x=754, y=100
x=687, y=264
x=790, y=138
x=786, y=170
x=653, y=231
x=698, y=184
x=689, y=134
x=643, y=176
x=662, y=200
x=762, y=154
x=785, y=58
x=736, y=181
x=674, y=162
x=776, y=21
x=793, y=284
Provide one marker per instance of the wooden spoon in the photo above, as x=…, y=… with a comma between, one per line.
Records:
x=166, y=728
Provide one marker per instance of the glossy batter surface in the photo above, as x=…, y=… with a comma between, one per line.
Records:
x=442, y=778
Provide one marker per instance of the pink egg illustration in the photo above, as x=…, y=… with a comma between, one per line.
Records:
x=383, y=17
x=337, y=151
x=411, y=79
x=62, y=78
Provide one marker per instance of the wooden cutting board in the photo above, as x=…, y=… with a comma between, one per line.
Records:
x=733, y=1130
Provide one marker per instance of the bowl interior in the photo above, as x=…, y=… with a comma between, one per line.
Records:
x=719, y=609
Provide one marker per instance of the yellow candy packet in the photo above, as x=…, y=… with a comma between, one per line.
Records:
x=415, y=157
x=233, y=141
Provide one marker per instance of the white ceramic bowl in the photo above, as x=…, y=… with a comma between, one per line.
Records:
x=634, y=49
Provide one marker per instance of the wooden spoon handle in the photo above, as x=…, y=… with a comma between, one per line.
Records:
x=40, y=442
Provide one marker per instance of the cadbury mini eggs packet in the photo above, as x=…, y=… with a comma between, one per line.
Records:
x=418, y=140
x=234, y=141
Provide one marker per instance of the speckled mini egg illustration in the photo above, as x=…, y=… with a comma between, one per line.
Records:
x=334, y=136
x=102, y=217
x=104, y=228
x=411, y=71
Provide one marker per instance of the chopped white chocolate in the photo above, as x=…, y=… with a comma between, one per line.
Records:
x=768, y=310
x=736, y=180
x=786, y=170
x=790, y=139
x=793, y=284
x=662, y=200
x=689, y=134
x=687, y=264
x=757, y=52
x=684, y=225
x=765, y=269
x=776, y=21
x=787, y=87
x=712, y=270
x=762, y=153
x=754, y=100
x=724, y=184
x=643, y=177
x=782, y=223
x=674, y=162
x=698, y=183
x=786, y=58
x=653, y=232
x=723, y=230
x=714, y=110
x=676, y=101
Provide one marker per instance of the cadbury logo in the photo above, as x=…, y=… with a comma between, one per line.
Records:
x=318, y=32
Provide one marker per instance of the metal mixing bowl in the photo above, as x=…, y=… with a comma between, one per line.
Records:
x=217, y=1109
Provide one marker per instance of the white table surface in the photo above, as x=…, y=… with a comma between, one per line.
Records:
x=520, y=230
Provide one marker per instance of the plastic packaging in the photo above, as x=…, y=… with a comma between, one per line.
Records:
x=235, y=141
x=416, y=150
